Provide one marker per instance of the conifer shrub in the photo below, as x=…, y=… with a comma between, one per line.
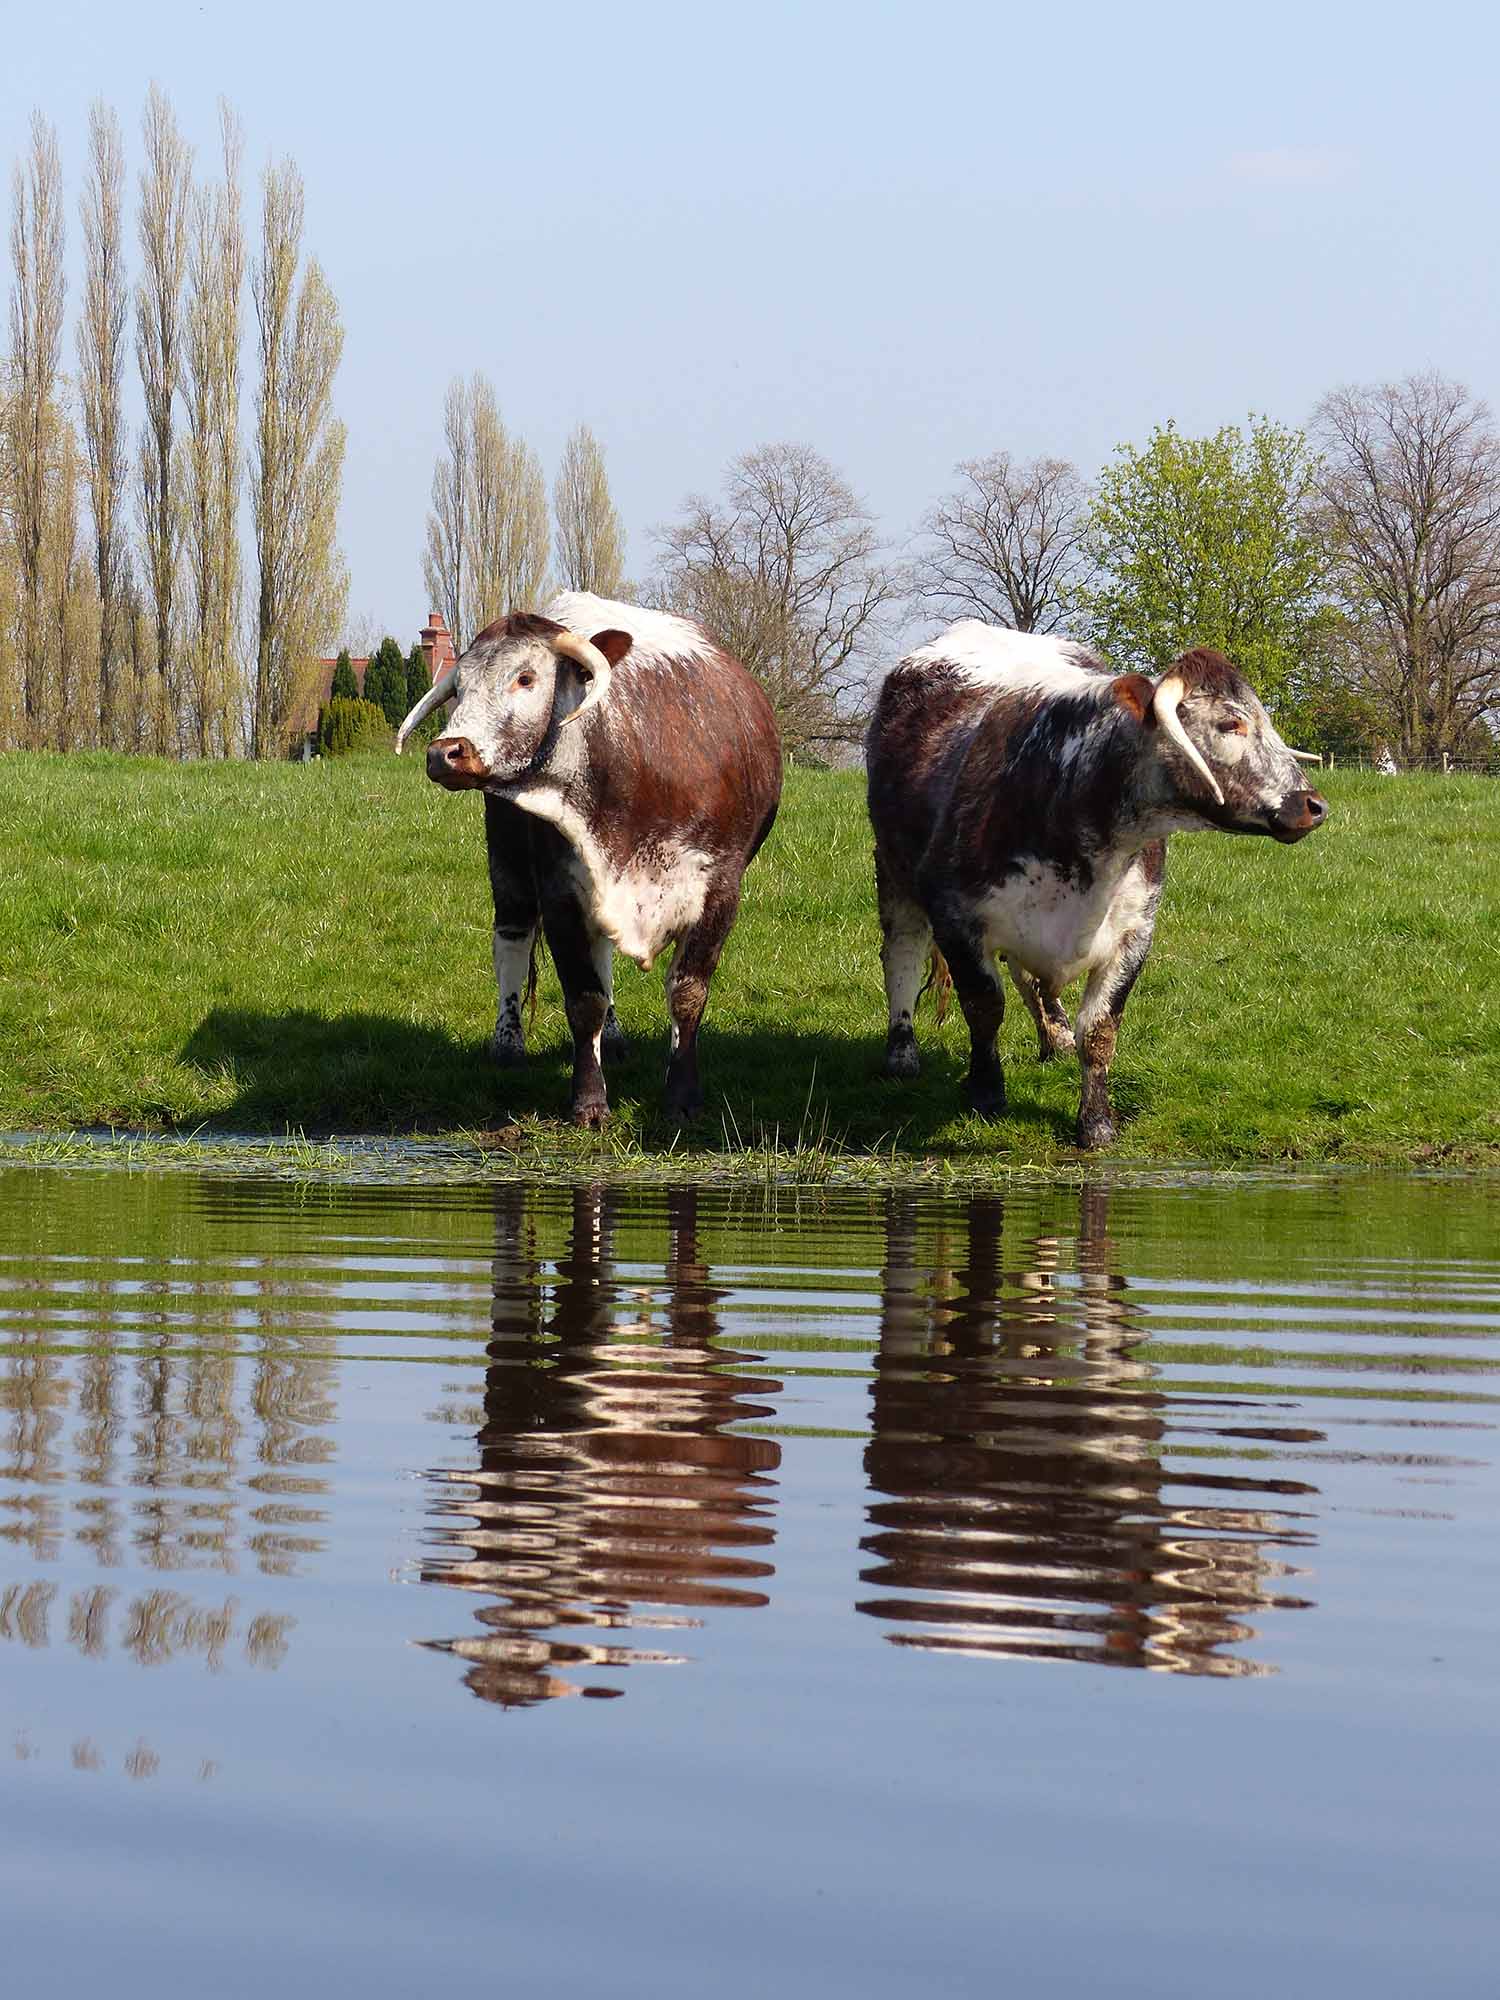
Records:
x=345, y=687
x=346, y=728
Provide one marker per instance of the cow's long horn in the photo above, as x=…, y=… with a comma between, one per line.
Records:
x=1305, y=756
x=440, y=691
x=1165, y=704
x=593, y=663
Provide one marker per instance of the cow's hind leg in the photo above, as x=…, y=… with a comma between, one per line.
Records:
x=982, y=998
x=507, y=837
x=1044, y=1004
x=905, y=942
x=693, y=966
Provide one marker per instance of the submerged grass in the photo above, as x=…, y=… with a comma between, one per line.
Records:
x=303, y=950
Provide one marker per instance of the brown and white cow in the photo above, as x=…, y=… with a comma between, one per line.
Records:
x=630, y=770
x=1022, y=796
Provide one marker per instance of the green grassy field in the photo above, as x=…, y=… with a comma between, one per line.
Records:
x=263, y=948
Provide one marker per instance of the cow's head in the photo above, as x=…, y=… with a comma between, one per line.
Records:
x=521, y=680
x=1214, y=754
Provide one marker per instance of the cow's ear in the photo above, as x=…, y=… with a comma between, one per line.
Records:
x=1135, y=692
x=613, y=645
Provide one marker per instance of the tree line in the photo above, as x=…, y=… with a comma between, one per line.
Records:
x=127, y=617
x=1352, y=569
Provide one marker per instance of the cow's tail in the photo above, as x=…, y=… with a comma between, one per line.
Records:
x=536, y=938
x=939, y=982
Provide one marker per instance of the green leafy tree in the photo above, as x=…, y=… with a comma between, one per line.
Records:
x=1206, y=542
x=385, y=681
x=346, y=727
x=345, y=687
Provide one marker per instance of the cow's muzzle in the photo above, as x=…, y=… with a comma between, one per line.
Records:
x=453, y=761
x=1298, y=815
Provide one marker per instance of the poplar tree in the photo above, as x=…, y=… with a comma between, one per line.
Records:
x=101, y=363
x=588, y=538
x=165, y=185
x=297, y=472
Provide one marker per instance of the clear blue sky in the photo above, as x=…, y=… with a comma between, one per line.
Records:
x=904, y=234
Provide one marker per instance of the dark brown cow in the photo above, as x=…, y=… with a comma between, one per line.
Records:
x=1022, y=797
x=630, y=769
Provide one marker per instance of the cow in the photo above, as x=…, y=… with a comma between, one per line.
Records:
x=1022, y=796
x=630, y=770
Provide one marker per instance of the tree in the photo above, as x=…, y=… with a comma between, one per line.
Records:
x=1007, y=545
x=487, y=530
x=298, y=466
x=385, y=682
x=788, y=573
x=505, y=518
x=589, y=540
x=101, y=361
x=1410, y=488
x=166, y=181
x=209, y=477
x=443, y=563
x=345, y=687
x=1206, y=542
x=418, y=680
x=32, y=426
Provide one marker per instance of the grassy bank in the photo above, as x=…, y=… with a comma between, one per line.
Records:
x=258, y=948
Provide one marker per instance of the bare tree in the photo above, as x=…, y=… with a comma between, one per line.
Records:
x=1007, y=545
x=788, y=572
x=589, y=539
x=1411, y=496
x=36, y=314
x=210, y=470
x=101, y=362
x=166, y=181
x=443, y=562
x=298, y=467
x=505, y=524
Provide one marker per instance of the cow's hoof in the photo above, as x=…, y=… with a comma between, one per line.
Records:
x=506, y=1051
x=613, y=1046
x=901, y=1058
x=591, y=1116
x=683, y=1109
x=985, y=1100
x=1063, y=1046
x=1096, y=1133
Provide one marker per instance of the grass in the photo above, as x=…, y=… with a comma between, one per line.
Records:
x=277, y=949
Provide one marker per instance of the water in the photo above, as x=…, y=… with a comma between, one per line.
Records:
x=659, y=1593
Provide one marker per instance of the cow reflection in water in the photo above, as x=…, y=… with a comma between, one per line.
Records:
x=608, y=1479
x=1021, y=1502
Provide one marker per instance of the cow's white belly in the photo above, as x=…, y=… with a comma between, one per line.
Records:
x=1058, y=931
x=641, y=907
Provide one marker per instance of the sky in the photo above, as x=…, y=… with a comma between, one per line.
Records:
x=903, y=234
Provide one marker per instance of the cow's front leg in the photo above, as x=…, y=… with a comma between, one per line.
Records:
x=508, y=843
x=1044, y=1004
x=982, y=998
x=1098, y=1029
x=613, y=1047
x=693, y=966
x=575, y=945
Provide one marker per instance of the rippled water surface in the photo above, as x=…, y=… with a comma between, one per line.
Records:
x=655, y=1593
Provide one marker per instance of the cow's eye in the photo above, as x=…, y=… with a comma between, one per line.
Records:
x=525, y=680
x=1234, y=725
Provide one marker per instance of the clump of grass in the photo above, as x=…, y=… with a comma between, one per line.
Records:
x=271, y=948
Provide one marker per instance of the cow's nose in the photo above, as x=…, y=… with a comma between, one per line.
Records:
x=1316, y=807
x=453, y=760
x=1299, y=814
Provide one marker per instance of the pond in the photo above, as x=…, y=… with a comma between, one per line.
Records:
x=667, y=1592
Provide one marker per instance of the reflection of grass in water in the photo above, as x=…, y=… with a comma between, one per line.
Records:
x=265, y=947
x=1282, y=1358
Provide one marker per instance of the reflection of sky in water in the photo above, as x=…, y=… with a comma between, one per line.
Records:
x=288, y=1478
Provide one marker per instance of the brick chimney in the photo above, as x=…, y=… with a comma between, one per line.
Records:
x=437, y=645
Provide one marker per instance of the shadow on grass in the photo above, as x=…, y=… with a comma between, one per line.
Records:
x=374, y=1073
